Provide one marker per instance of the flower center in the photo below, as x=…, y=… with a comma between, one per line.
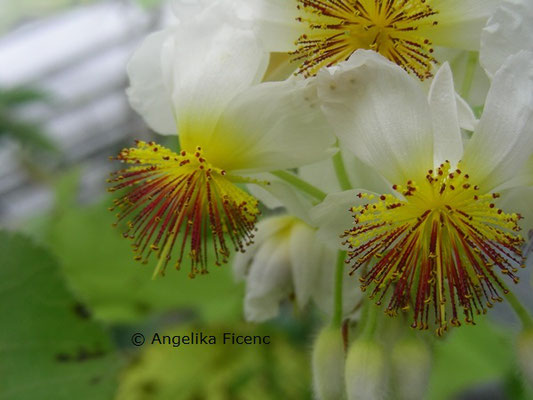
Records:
x=441, y=248
x=181, y=200
x=337, y=28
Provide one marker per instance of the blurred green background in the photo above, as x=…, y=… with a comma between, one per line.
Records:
x=71, y=295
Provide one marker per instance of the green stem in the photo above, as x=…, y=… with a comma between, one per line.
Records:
x=300, y=184
x=340, y=171
x=369, y=320
x=469, y=74
x=337, y=294
x=520, y=310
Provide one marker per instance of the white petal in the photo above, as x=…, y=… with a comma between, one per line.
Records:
x=186, y=10
x=280, y=193
x=459, y=22
x=324, y=292
x=208, y=63
x=508, y=31
x=268, y=283
x=271, y=126
x=381, y=114
x=305, y=255
x=448, y=144
x=503, y=140
x=275, y=21
x=334, y=216
x=460, y=62
x=148, y=93
x=519, y=200
x=266, y=228
x=467, y=119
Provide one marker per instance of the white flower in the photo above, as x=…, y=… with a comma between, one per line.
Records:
x=320, y=33
x=204, y=88
x=441, y=238
x=288, y=259
x=509, y=30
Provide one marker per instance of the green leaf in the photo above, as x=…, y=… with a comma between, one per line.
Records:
x=50, y=348
x=20, y=95
x=470, y=355
x=98, y=263
x=279, y=370
x=27, y=134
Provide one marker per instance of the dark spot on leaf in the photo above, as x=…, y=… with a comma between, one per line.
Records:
x=148, y=387
x=85, y=354
x=142, y=307
x=95, y=380
x=63, y=357
x=81, y=311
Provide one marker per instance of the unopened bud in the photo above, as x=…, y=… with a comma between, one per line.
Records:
x=328, y=365
x=525, y=354
x=411, y=363
x=365, y=372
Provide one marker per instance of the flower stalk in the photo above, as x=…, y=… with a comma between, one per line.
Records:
x=469, y=74
x=337, y=301
x=300, y=184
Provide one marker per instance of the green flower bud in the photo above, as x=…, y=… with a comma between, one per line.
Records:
x=328, y=365
x=411, y=363
x=365, y=371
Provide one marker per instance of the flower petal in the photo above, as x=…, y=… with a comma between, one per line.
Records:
x=381, y=114
x=323, y=294
x=503, y=140
x=275, y=21
x=448, y=144
x=459, y=22
x=322, y=175
x=508, y=31
x=518, y=200
x=265, y=229
x=305, y=253
x=148, y=93
x=271, y=126
x=281, y=194
x=268, y=283
x=334, y=216
x=467, y=119
x=208, y=61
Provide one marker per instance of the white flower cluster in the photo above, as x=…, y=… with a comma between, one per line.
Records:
x=360, y=98
x=354, y=116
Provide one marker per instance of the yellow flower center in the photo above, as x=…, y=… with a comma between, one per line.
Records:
x=181, y=200
x=337, y=28
x=439, y=249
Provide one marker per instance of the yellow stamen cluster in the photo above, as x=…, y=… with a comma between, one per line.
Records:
x=180, y=199
x=337, y=28
x=441, y=247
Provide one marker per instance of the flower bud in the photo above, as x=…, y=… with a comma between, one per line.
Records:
x=365, y=371
x=411, y=363
x=525, y=354
x=328, y=365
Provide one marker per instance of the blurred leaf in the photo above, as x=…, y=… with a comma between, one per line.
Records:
x=470, y=355
x=26, y=134
x=149, y=3
x=21, y=95
x=218, y=371
x=98, y=263
x=49, y=346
